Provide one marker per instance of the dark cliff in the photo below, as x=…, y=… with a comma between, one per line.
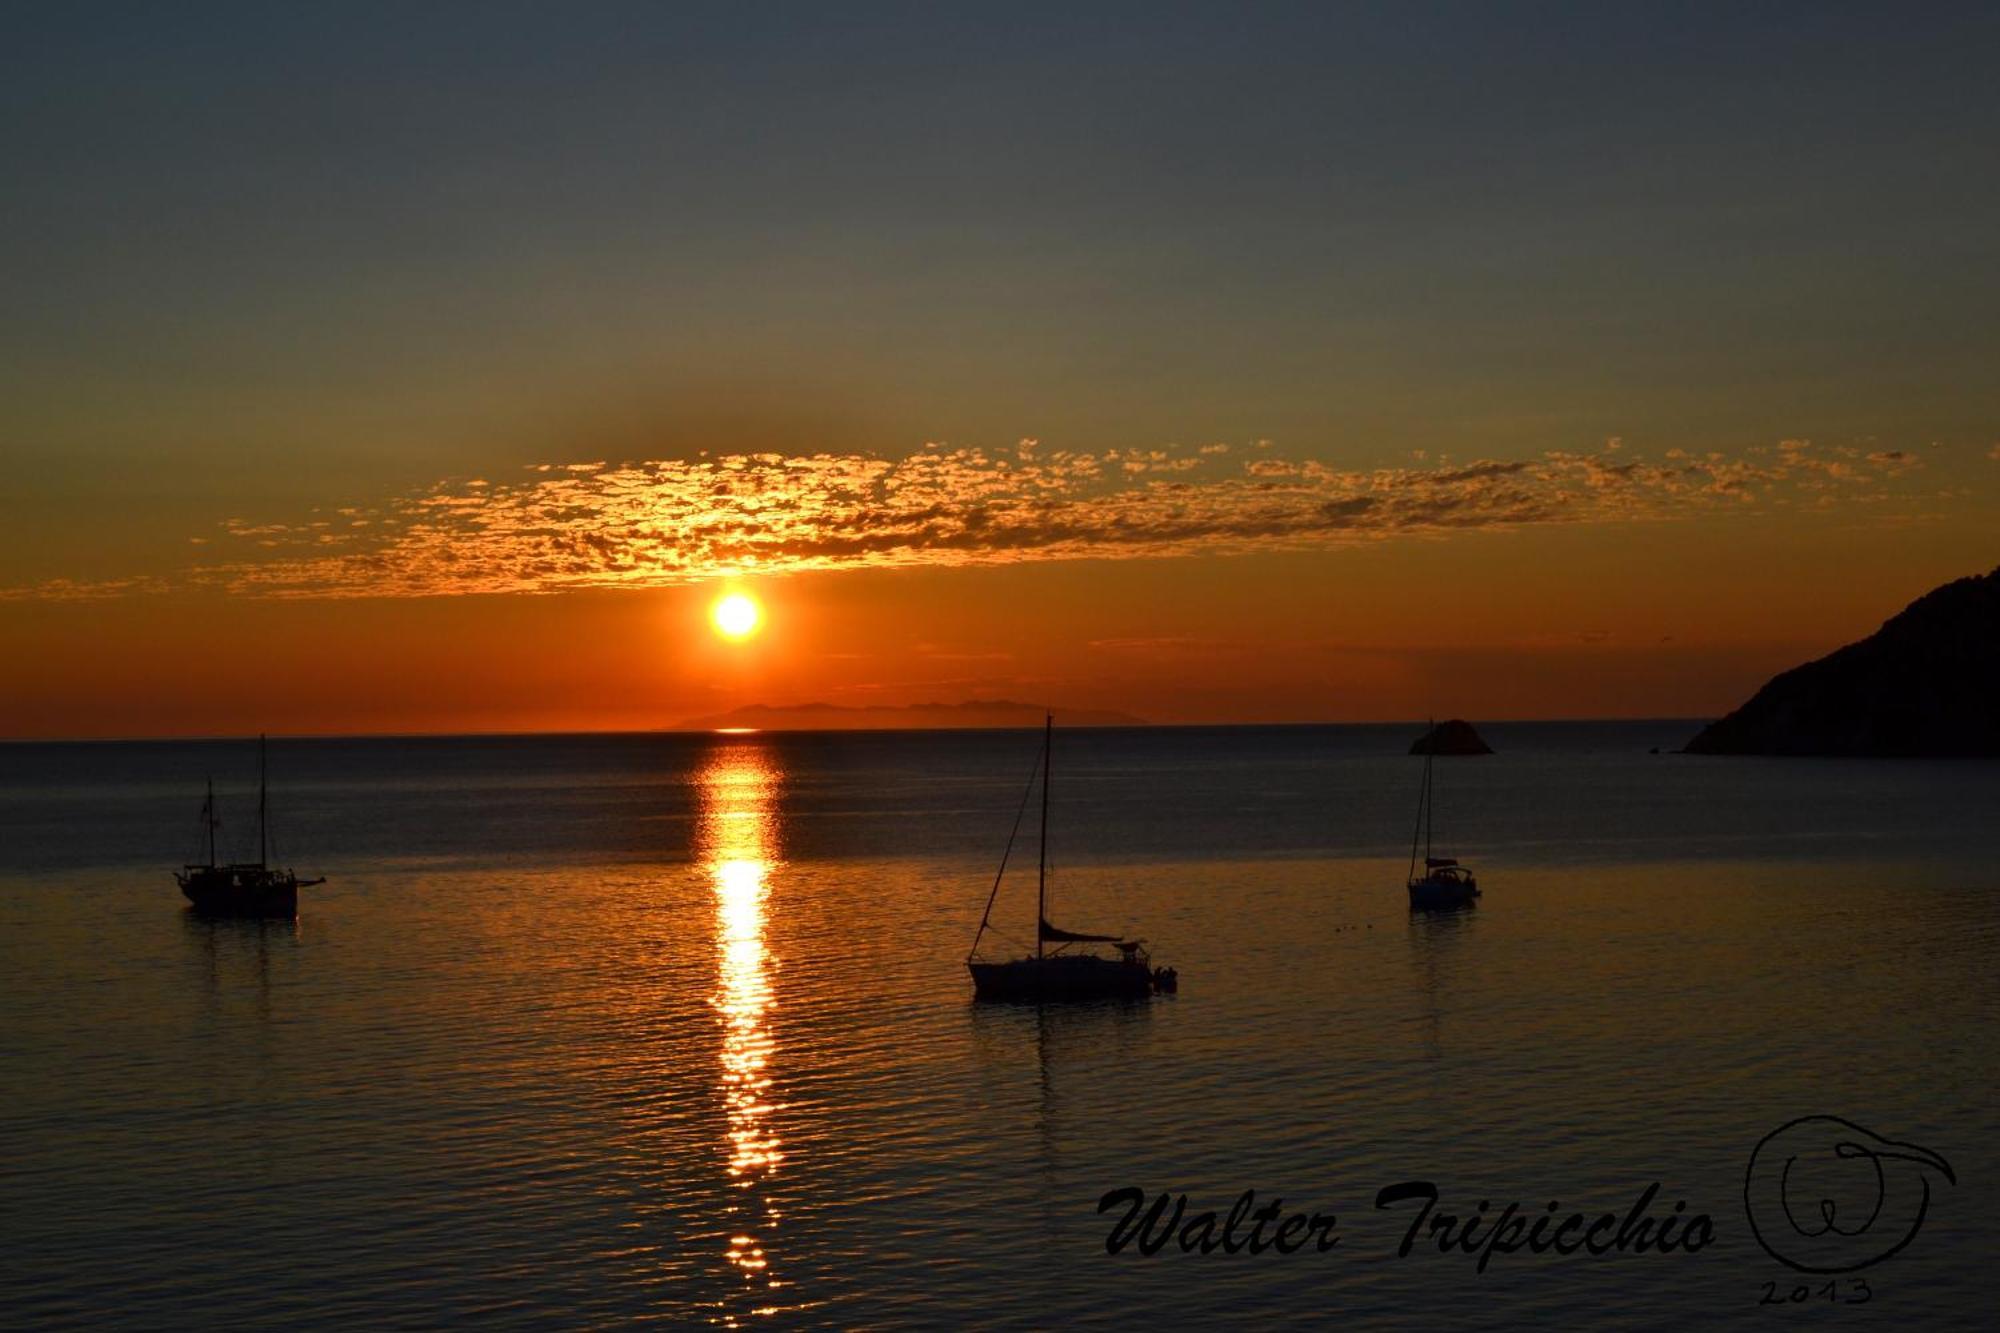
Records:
x=1924, y=685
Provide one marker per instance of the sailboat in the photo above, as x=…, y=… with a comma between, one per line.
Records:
x=1060, y=973
x=242, y=888
x=1445, y=884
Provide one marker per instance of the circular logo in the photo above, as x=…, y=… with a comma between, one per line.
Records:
x=1825, y=1195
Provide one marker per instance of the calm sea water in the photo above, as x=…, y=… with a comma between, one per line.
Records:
x=591, y=1030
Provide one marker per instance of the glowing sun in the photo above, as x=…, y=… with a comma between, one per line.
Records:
x=736, y=616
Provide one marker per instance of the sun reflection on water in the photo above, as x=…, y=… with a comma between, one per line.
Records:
x=738, y=845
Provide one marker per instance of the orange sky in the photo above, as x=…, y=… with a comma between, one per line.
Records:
x=1651, y=619
x=1304, y=363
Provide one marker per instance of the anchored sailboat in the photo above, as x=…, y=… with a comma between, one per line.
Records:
x=242, y=888
x=1059, y=974
x=1445, y=883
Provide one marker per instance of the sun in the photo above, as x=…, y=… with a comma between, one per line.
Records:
x=736, y=617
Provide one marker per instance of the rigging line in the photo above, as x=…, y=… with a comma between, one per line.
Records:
x=987, y=915
x=1431, y=819
x=1423, y=794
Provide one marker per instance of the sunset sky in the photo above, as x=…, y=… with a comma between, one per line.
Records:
x=429, y=368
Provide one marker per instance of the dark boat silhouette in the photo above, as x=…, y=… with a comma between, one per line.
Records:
x=1445, y=884
x=1059, y=974
x=242, y=888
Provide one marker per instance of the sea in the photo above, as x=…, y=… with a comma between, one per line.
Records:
x=676, y=1029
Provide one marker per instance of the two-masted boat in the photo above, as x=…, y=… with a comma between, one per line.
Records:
x=1445, y=884
x=1062, y=972
x=242, y=888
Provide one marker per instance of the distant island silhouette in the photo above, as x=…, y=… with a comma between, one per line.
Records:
x=1927, y=684
x=1453, y=737
x=909, y=717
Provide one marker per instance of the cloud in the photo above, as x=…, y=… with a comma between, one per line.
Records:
x=1152, y=645
x=665, y=522
x=77, y=590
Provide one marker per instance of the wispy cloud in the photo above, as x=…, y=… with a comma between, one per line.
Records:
x=676, y=521
x=86, y=590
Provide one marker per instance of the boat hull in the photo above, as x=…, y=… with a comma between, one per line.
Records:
x=225, y=892
x=1429, y=895
x=1061, y=979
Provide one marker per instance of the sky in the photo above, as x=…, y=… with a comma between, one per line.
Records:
x=433, y=368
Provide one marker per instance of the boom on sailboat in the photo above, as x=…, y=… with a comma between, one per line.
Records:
x=1059, y=974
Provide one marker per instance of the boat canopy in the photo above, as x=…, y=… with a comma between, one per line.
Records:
x=1057, y=935
x=1439, y=862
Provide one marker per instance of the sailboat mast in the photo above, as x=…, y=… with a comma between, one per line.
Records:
x=1430, y=798
x=1042, y=871
x=1422, y=828
x=208, y=818
x=1417, y=829
x=261, y=802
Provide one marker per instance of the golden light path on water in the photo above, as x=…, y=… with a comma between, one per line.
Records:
x=737, y=839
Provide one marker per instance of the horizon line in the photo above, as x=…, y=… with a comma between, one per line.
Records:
x=554, y=733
